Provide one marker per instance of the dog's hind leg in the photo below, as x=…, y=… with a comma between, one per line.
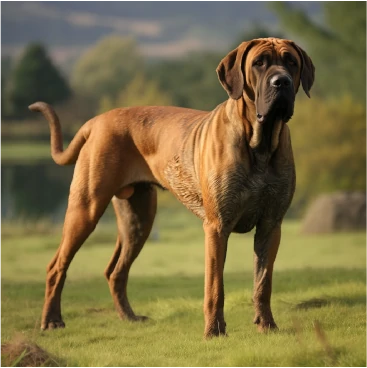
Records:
x=88, y=200
x=115, y=257
x=135, y=217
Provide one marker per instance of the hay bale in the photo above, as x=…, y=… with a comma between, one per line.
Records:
x=342, y=211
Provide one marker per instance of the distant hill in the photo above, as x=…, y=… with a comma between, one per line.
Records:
x=163, y=29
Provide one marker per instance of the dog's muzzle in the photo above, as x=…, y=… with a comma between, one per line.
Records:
x=277, y=101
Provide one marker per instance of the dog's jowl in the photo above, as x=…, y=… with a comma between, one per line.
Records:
x=232, y=167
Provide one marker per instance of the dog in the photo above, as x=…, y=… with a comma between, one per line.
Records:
x=233, y=167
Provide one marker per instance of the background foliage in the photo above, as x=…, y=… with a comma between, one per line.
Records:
x=333, y=157
x=106, y=68
x=34, y=78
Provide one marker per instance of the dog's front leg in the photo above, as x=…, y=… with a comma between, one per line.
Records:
x=266, y=247
x=215, y=253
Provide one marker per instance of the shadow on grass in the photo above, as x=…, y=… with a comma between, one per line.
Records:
x=312, y=303
x=322, y=302
x=160, y=287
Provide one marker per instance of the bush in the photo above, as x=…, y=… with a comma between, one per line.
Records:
x=328, y=138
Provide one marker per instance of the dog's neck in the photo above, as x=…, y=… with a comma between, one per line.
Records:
x=262, y=140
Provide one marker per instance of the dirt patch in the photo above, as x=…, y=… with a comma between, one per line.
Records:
x=22, y=353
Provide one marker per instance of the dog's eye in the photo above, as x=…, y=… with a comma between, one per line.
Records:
x=292, y=62
x=259, y=63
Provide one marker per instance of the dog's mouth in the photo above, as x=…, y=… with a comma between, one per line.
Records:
x=280, y=108
x=270, y=118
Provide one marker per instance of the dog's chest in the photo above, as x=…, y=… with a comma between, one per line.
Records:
x=237, y=198
x=265, y=195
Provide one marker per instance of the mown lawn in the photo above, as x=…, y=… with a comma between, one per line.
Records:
x=319, y=299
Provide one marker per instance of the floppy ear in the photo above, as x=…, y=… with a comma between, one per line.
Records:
x=307, y=71
x=230, y=70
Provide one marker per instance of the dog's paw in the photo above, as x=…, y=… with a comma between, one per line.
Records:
x=265, y=325
x=140, y=319
x=219, y=329
x=52, y=325
x=210, y=334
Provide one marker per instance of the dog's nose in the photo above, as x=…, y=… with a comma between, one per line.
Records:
x=280, y=81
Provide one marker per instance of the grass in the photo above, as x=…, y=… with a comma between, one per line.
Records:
x=319, y=299
x=25, y=152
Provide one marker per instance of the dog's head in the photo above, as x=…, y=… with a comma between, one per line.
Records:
x=268, y=71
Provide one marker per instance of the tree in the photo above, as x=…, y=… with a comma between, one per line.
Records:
x=191, y=82
x=5, y=72
x=1, y=96
x=337, y=48
x=333, y=156
x=34, y=78
x=139, y=92
x=107, y=68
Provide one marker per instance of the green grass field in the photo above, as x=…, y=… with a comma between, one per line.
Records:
x=319, y=299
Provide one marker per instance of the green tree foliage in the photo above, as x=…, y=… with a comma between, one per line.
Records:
x=328, y=140
x=5, y=72
x=6, y=65
x=34, y=78
x=337, y=47
x=1, y=97
x=191, y=82
x=139, y=92
x=107, y=68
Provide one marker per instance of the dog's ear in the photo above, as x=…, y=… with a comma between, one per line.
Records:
x=307, y=70
x=230, y=70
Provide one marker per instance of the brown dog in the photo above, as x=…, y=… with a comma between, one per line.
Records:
x=233, y=167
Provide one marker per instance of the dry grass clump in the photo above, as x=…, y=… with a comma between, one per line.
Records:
x=22, y=353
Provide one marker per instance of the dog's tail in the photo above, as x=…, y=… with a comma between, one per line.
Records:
x=61, y=157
